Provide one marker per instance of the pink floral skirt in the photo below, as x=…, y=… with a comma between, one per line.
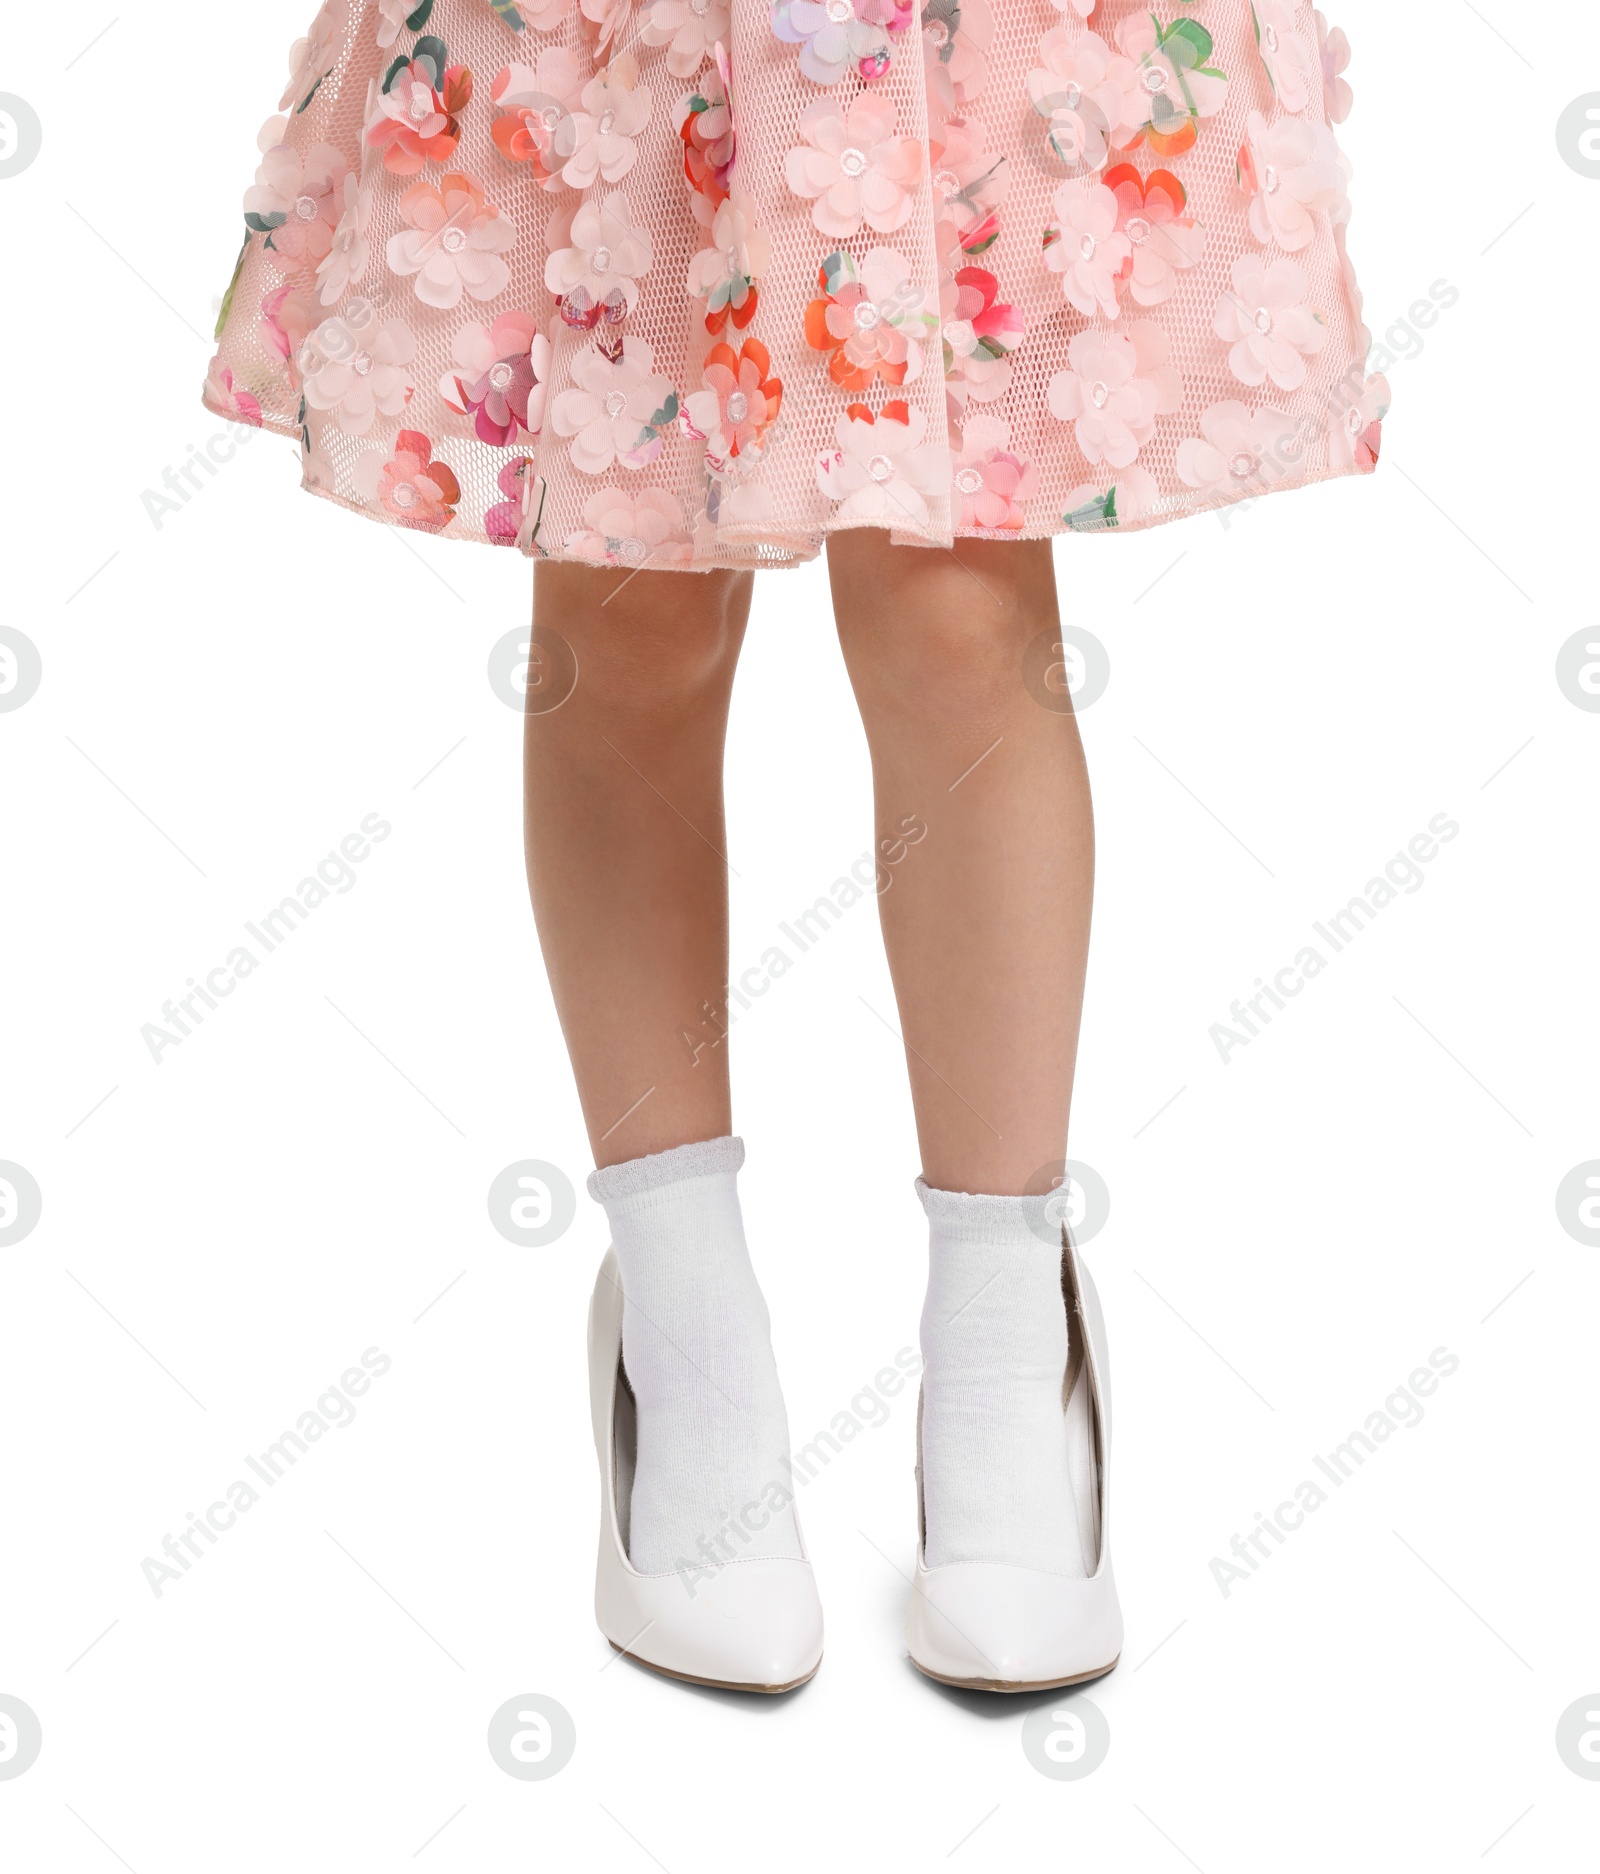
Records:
x=697, y=283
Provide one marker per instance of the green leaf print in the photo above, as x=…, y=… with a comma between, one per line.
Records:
x=233, y=287
x=416, y=21
x=506, y=11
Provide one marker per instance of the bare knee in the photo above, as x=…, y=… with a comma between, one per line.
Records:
x=939, y=636
x=655, y=643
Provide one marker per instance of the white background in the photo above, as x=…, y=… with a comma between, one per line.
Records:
x=225, y=697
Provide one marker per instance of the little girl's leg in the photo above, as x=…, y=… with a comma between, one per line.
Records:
x=986, y=925
x=625, y=841
x=625, y=847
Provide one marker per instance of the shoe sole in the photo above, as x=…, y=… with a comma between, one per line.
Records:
x=721, y=1685
x=1014, y=1685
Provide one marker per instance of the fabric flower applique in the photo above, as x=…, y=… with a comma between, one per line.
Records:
x=617, y=409
x=597, y=277
x=312, y=58
x=1355, y=431
x=647, y=529
x=1090, y=96
x=503, y=369
x=724, y=274
x=1333, y=48
x=705, y=127
x=991, y=480
x=1099, y=507
x=1115, y=386
x=1082, y=244
x=869, y=321
x=688, y=29
x=1180, y=87
x=616, y=107
x=534, y=106
x=359, y=375
x=514, y=522
x=1239, y=451
x=611, y=17
x=1164, y=238
x=854, y=167
x=296, y=200
x=980, y=331
x=956, y=36
x=417, y=118
x=882, y=471
x=409, y=485
x=739, y=404
x=1285, y=52
x=454, y=242
x=288, y=317
x=392, y=18
x=1290, y=171
x=1265, y=322
x=226, y=399
x=345, y=263
x=838, y=38
x=969, y=186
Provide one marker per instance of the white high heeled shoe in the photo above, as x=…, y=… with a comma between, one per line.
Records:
x=752, y=1626
x=995, y=1628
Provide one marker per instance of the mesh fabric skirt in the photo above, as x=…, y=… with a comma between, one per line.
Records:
x=696, y=283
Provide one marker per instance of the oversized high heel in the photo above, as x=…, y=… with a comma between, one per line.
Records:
x=750, y=1625
x=995, y=1628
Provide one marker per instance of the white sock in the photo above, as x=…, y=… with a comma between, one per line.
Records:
x=998, y=1460
x=697, y=1350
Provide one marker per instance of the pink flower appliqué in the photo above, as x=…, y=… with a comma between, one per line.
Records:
x=969, y=185
x=1239, y=451
x=840, y=37
x=597, y=277
x=1164, y=238
x=854, y=167
x=345, y=263
x=1334, y=50
x=724, y=274
x=515, y=521
x=226, y=399
x=413, y=488
x=312, y=58
x=1285, y=52
x=454, y=242
x=1355, y=432
x=618, y=408
x=956, y=36
x=688, y=29
x=1115, y=386
x=980, y=330
x=992, y=482
x=361, y=376
x=1090, y=96
x=1290, y=171
x=1083, y=246
x=501, y=379
x=882, y=470
x=1266, y=323
x=534, y=106
x=648, y=529
x=616, y=107
x=297, y=200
